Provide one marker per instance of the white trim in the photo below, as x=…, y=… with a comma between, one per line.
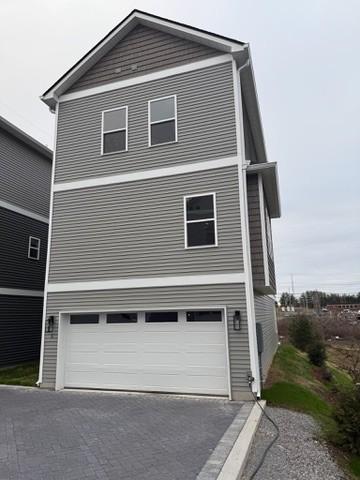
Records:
x=147, y=174
x=51, y=208
x=125, y=107
x=263, y=231
x=150, y=123
x=60, y=351
x=147, y=282
x=212, y=219
x=21, y=292
x=149, y=77
x=23, y=211
x=249, y=290
x=37, y=248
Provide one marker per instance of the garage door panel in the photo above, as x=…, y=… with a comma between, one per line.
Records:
x=183, y=357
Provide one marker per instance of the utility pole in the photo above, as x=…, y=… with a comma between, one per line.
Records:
x=292, y=295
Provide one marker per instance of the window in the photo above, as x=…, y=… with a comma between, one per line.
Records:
x=204, y=316
x=200, y=221
x=161, y=317
x=114, y=130
x=269, y=234
x=83, y=318
x=162, y=121
x=34, y=248
x=121, y=318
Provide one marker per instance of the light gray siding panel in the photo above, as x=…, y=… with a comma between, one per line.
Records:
x=206, y=126
x=256, y=248
x=24, y=175
x=136, y=229
x=266, y=315
x=250, y=150
x=231, y=296
x=142, y=51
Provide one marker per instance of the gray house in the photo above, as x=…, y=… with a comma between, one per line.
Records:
x=25, y=173
x=161, y=272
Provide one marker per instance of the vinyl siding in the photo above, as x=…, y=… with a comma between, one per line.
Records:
x=250, y=150
x=265, y=314
x=272, y=277
x=20, y=326
x=142, y=51
x=232, y=296
x=136, y=229
x=256, y=248
x=16, y=269
x=206, y=125
x=25, y=175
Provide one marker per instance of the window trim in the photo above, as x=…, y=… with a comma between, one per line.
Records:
x=214, y=219
x=162, y=121
x=116, y=130
x=36, y=248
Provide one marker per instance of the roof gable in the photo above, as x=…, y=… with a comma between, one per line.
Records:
x=210, y=40
x=141, y=51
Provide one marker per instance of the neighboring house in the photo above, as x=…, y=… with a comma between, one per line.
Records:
x=161, y=259
x=25, y=179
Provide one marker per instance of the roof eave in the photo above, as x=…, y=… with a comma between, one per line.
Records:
x=227, y=45
x=270, y=178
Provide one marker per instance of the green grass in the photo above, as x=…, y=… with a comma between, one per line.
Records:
x=294, y=384
x=25, y=374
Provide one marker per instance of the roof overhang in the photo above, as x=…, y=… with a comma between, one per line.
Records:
x=218, y=42
x=270, y=180
x=25, y=138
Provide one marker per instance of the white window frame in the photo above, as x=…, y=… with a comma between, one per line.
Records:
x=125, y=107
x=34, y=248
x=161, y=121
x=214, y=219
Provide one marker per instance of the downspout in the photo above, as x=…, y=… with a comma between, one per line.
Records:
x=40, y=379
x=255, y=382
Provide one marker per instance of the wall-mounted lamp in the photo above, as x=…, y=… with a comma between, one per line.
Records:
x=50, y=324
x=237, y=320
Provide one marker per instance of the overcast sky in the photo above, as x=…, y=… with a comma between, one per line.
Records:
x=306, y=59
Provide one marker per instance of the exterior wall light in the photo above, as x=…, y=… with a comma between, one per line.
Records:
x=50, y=324
x=237, y=320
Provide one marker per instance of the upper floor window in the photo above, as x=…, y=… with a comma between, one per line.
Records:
x=162, y=121
x=34, y=248
x=114, y=130
x=200, y=221
x=269, y=234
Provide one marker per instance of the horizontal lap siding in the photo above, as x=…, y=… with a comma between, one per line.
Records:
x=206, y=126
x=20, y=326
x=231, y=296
x=257, y=256
x=136, y=229
x=149, y=50
x=24, y=175
x=16, y=269
x=265, y=314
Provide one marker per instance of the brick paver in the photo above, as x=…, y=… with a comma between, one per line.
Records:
x=48, y=435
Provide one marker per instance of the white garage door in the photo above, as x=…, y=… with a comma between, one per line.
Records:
x=159, y=351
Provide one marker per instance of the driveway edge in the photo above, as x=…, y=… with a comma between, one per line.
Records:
x=236, y=460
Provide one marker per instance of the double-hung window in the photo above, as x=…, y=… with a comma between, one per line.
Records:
x=34, y=248
x=162, y=121
x=200, y=220
x=114, y=130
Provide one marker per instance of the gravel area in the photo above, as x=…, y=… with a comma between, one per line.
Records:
x=297, y=454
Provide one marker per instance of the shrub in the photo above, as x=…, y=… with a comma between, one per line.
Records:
x=347, y=417
x=301, y=332
x=317, y=353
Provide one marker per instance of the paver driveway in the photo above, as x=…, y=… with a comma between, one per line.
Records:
x=69, y=435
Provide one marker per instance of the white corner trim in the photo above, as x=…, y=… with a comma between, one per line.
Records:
x=148, y=282
x=42, y=347
x=21, y=292
x=250, y=304
x=146, y=174
x=263, y=230
x=23, y=211
x=149, y=77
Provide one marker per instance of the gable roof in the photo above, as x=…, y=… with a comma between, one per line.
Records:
x=25, y=138
x=212, y=40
